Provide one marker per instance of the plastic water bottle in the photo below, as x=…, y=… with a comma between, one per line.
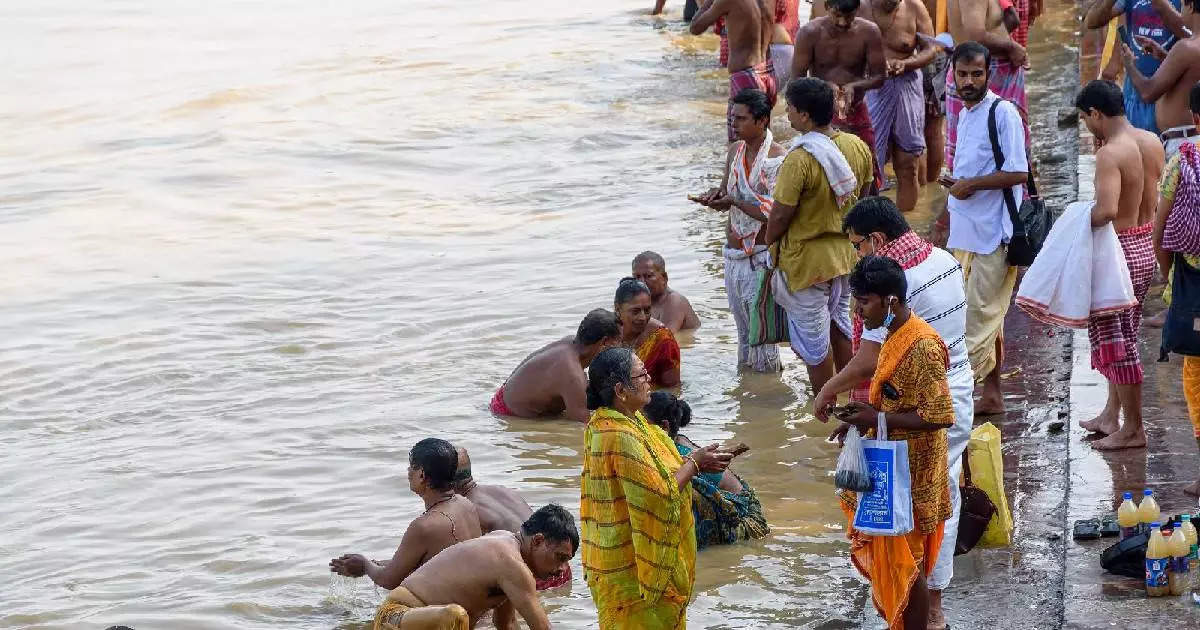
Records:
x=1127, y=516
x=1157, y=555
x=1148, y=511
x=1179, y=577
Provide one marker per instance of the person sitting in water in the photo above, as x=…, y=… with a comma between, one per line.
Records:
x=551, y=380
x=725, y=507
x=648, y=337
x=666, y=305
x=448, y=518
x=500, y=509
x=495, y=572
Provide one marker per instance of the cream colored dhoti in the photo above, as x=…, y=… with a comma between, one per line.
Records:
x=401, y=610
x=990, y=282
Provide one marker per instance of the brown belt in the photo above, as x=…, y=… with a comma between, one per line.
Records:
x=1175, y=134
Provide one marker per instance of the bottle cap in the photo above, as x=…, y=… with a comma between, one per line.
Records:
x=1155, y=525
x=1128, y=495
x=1147, y=493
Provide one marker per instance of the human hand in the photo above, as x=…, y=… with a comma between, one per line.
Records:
x=842, y=97
x=723, y=203
x=711, y=459
x=962, y=189
x=1150, y=47
x=895, y=67
x=350, y=565
x=821, y=404
x=1127, y=54
x=861, y=415
x=1017, y=55
x=839, y=433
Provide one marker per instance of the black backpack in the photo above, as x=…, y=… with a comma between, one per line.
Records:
x=1032, y=221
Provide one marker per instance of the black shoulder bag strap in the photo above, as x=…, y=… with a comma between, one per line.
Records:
x=998, y=156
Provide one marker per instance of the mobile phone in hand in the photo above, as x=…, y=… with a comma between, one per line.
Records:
x=1123, y=33
x=739, y=449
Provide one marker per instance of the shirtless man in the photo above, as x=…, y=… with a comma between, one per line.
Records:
x=748, y=25
x=448, y=519
x=496, y=572
x=897, y=108
x=551, y=381
x=499, y=508
x=846, y=51
x=1170, y=86
x=666, y=305
x=1128, y=164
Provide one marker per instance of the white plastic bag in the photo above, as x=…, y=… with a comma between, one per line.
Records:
x=887, y=509
x=852, y=465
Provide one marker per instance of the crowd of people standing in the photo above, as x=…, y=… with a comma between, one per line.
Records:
x=909, y=332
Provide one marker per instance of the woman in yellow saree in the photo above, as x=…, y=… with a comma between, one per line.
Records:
x=639, y=542
x=652, y=341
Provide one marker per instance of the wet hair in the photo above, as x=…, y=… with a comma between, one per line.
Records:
x=812, y=96
x=877, y=275
x=1194, y=99
x=668, y=412
x=653, y=258
x=970, y=51
x=438, y=459
x=843, y=6
x=1102, y=96
x=608, y=368
x=756, y=101
x=554, y=523
x=876, y=214
x=597, y=326
x=628, y=289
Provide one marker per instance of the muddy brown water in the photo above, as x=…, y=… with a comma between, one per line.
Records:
x=256, y=251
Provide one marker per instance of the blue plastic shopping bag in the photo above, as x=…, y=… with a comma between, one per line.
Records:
x=887, y=509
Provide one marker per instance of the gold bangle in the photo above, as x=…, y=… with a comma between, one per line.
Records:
x=694, y=463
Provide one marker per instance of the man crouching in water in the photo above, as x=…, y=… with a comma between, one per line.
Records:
x=551, y=381
x=496, y=572
x=500, y=509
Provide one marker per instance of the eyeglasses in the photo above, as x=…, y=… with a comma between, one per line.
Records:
x=644, y=375
x=858, y=244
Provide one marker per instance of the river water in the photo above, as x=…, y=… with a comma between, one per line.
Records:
x=256, y=250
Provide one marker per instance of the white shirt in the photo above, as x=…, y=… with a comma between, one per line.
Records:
x=981, y=223
x=937, y=294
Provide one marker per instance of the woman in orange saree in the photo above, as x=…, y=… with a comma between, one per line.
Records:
x=647, y=337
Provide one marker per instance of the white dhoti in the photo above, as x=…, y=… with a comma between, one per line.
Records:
x=962, y=390
x=810, y=311
x=741, y=285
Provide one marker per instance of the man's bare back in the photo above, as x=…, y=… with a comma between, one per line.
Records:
x=472, y=575
x=749, y=25
x=839, y=56
x=546, y=381
x=983, y=21
x=499, y=508
x=1132, y=162
x=674, y=311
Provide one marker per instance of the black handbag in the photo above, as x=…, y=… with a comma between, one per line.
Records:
x=975, y=512
x=1031, y=221
x=1181, y=331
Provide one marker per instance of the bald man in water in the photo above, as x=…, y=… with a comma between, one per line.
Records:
x=666, y=304
x=551, y=381
x=500, y=509
x=496, y=572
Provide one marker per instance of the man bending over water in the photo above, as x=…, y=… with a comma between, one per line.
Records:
x=500, y=509
x=448, y=518
x=551, y=380
x=666, y=305
x=496, y=572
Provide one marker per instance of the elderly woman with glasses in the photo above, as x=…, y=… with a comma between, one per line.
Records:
x=649, y=338
x=639, y=541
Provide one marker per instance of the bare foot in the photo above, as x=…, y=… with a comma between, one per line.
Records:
x=988, y=405
x=1106, y=423
x=937, y=618
x=1193, y=489
x=1158, y=321
x=1122, y=439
